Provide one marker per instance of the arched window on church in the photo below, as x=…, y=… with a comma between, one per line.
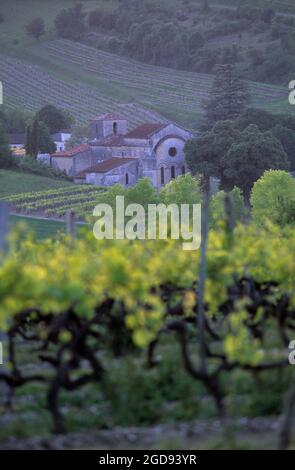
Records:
x=183, y=170
x=115, y=128
x=127, y=179
x=172, y=172
x=162, y=176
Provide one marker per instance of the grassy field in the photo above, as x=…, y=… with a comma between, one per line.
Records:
x=13, y=182
x=41, y=228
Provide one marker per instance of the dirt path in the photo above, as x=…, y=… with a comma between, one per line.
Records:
x=202, y=434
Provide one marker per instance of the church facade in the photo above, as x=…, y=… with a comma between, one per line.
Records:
x=115, y=156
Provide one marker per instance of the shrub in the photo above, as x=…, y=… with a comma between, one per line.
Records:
x=36, y=28
x=6, y=161
x=70, y=23
x=273, y=198
x=31, y=165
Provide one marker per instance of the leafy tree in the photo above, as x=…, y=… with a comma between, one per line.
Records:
x=101, y=20
x=249, y=157
x=217, y=207
x=32, y=139
x=36, y=28
x=14, y=121
x=185, y=189
x=196, y=41
x=236, y=158
x=205, y=6
x=46, y=144
x=38, y=139
x=80, y=135
x=54, y=118
x=70, y=23
x=273, y=198
x=228, y=98
x=263, y=119
x=204, y=155
x=5, y=154
x=287, y=138
x=28, y=144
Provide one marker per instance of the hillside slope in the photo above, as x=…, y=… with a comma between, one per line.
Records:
x=13, y=182
x=88, y=82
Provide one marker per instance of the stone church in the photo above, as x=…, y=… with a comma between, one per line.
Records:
x=114, y=155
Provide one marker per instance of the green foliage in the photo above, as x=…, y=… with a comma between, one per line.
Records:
x=217, y=207
x=36, y=28
x=80, y=135
x=32, y=139
x=204, y=154
x=6, y=160
x=249, y=157
x=14, y=121
x=29, y=164
x=273, y=199
x=38, y=139
x=55, y=119
x=142, y=193
x=287, y=138
x=236, y=158
x=228, y=97
x=139, y=396
x=80, y=198
x=70, y=23
x=83, y=291
x=46, y=144
x=185, y=189
x=263, y=119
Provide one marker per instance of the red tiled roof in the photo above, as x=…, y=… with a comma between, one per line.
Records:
x=72, y=152
x=145, y=130
x=109, y=117
x=106, y=165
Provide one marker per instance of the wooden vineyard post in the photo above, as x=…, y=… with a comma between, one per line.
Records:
x=3, y=226
x=287, y=418
x=202, y=278
x=4, y=389
x=70, y=223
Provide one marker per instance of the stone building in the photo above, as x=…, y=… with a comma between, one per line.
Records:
x=114, y=155
x=73, y=161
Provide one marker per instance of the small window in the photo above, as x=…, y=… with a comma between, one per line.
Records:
x=183, y=170
x=127, y=179
x=96, y=127
x=115, y=128
x=172, y=151
x=162, y=176
x=172, y=172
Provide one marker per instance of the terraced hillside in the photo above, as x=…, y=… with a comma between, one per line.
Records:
x=104, y=82
x=31, y=87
